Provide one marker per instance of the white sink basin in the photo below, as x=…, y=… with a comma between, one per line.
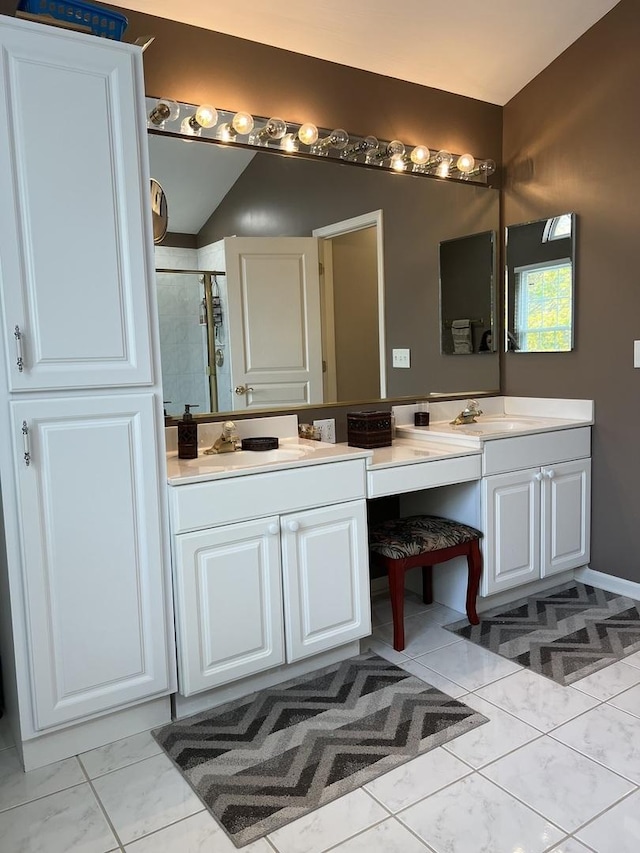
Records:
x=499, y=424
x=247, y=458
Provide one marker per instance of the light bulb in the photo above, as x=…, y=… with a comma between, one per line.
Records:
x=337, y=139
x=420, y=155
x=164, y=110
x=288, y=143
x=242, y=123
x=369, y=143
x=275, y=128
x=398, y=164
x=308, y=133
x=465, y=163
x=444, y=160
x=227, y=133
x=205, y=116
x=395, y=149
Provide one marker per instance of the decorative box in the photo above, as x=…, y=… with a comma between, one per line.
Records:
x=369, y=429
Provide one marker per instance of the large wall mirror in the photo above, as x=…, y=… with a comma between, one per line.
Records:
x=308, y=274
x=540, y=282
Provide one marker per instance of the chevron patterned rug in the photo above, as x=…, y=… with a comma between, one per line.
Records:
x=565, y=633
x=265, y=760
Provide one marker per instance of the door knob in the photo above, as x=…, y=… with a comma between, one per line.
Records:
x=273, y=529
x=550, y=473
x=243, y=389
x=538, y=476
x=293, y=526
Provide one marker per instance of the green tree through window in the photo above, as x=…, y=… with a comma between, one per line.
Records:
x=543, y=307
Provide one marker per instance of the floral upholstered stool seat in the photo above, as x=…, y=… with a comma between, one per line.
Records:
x=423, y=540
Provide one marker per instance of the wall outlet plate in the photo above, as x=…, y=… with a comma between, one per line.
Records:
x=327, y=429
x=636, y=353
x=401, y=357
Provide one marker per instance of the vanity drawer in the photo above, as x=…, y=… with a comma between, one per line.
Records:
x=422, y=475
x=529, y=451
x=198, y=505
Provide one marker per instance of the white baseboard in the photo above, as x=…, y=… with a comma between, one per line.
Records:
x=90, y=734
x=621, y=586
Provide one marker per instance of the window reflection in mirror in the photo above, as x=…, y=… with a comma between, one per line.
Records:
x=467, y=294
x=539, y=303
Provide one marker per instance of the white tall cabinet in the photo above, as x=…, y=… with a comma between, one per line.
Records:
x=85, y=602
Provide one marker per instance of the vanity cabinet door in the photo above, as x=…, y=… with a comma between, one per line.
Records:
x=326, y=578
x=566, y=516
x=511, y=544
x=74, y=204
x=228, y=603
x=90, y=534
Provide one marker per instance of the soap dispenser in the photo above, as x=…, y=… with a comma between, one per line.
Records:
x=188, y=434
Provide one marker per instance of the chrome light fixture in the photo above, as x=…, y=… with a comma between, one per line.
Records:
x=307, y=139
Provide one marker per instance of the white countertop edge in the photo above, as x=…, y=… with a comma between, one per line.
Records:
x=458, y=435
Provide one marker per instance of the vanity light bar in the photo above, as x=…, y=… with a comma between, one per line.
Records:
x=240, y=128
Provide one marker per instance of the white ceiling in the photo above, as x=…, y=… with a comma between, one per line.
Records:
x=486, y=49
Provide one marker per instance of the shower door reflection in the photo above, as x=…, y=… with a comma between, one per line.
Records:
x=195, y=367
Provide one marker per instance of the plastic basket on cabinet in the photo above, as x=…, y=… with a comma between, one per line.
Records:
x=101, y=22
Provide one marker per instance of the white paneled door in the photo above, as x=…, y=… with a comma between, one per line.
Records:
x=566, y=516
x=275, y=338
x=72, y=197
x=90, y=533
x=325, y=566
x=228, y=603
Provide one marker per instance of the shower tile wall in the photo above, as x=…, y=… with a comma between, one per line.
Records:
x=183, y=341
x=212, y=257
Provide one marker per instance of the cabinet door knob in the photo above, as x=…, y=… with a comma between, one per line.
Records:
x=550, y=473
x=538, y=476
x=293, y=526
x=273, y=529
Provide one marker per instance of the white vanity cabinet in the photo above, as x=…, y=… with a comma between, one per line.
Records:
x=274, y=588
x=536, y=519
x=85, y=608
x=73, y=241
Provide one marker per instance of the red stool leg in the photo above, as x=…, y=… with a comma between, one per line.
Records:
x=395, y=569
x=474, y=562
x=427, y=585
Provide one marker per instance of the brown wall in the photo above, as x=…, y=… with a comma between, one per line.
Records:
x=567, y=139
x=199, y=66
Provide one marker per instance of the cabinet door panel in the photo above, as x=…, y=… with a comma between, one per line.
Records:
x=93, y=556
x=71, y=202
x=228, y=603
x=511, y=543
x=326, y=578
x=566, y=516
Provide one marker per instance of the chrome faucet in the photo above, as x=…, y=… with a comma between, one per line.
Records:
x=228, y=442
x=469, y=414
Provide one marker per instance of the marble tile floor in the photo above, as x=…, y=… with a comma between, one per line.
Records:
x=556, y=770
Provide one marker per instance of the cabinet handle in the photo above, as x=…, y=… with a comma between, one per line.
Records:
x=550, y=473
x=26, y=444
x=538, y=476
x=17, y=334
x=293, y=526
x=273, y=529
x=243, y=389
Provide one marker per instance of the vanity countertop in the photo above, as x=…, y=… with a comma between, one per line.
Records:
x=292, y=453
x=406, y=451
x=489, y=429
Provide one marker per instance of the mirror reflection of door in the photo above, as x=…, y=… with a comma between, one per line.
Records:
x=352, y=288
x=273, y=287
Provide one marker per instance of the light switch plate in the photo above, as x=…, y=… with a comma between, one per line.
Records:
x=401, y=357
x=636, y=353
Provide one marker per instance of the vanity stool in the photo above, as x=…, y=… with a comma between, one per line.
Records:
x=423, y=540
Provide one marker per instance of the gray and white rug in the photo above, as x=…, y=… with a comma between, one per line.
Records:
x=565, y=633
x=265, y=760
